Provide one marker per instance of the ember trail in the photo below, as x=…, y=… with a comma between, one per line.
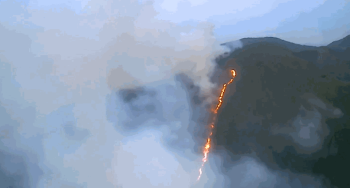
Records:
x=208, y=144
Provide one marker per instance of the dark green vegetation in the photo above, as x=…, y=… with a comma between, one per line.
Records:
x=275, y=81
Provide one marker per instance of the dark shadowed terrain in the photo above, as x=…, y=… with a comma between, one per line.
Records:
x=290, y=105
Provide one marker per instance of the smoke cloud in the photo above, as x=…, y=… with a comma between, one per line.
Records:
x=99, y=97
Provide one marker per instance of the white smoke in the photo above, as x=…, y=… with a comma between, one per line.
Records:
x=67, y=63
x=308, y=129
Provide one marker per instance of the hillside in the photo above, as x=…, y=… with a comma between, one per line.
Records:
x=290, y=104
x=340, y=45
x=272, y=40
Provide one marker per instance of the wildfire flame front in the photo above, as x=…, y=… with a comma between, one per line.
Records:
x=207, y=145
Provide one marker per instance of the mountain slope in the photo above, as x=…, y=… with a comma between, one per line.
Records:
x=290, y=105
x=272, y=40
x=340, y=45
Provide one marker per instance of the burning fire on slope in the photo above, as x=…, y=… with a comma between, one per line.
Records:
x=208, y=144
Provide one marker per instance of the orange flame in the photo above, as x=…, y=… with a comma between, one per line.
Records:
x=207, y=145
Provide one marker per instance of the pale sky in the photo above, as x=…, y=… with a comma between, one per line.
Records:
x=314, y=22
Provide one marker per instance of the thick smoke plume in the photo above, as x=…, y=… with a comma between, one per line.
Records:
x=103, y=97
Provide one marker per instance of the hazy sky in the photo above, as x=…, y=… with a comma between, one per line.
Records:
x=315, y=22
x=65, y=62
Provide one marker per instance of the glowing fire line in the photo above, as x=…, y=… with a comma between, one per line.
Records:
x=207, y=145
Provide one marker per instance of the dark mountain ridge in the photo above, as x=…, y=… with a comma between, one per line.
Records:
x=263, y=108
x=333, y=53
x=340, y=45
x=272, y=40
